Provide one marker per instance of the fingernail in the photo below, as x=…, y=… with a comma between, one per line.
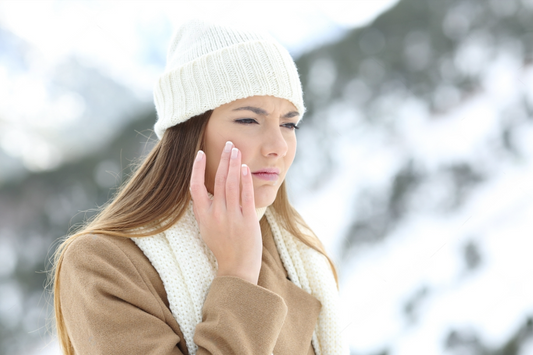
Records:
x=234, y=153
x=244, y=170
x=227, y=148
x=199, y=155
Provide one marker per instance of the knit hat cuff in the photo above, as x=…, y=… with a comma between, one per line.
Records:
x=217, y=78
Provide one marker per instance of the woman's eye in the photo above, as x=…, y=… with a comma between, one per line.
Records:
x=292, y=125
x=246, y=121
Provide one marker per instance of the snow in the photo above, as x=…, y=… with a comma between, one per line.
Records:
x=425, y=251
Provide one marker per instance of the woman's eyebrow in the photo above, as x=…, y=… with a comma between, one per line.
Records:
x=260, y=111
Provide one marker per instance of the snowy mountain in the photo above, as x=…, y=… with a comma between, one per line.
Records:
x=414, y=166
x=418, y=148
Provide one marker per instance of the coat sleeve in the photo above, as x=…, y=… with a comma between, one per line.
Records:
x=239, y=317
x=108, y=308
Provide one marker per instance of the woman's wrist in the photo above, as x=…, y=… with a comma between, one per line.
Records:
x=246, y=275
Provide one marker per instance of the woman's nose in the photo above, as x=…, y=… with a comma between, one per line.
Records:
x=273, y=142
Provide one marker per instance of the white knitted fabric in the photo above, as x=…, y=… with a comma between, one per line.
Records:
x=209, y=65
x=187, y=267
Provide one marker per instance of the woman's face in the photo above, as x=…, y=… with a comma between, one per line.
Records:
x=261, y=127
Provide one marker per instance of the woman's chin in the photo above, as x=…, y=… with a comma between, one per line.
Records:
x=264, y=197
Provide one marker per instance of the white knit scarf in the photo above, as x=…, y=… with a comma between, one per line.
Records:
x=187, y=267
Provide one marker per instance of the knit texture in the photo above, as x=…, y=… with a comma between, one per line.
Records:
x=209, y=65
x=187, y=267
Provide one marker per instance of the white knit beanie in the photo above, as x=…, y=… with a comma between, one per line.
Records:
x=209, y=65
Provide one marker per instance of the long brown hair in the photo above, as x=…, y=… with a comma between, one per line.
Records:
x=158, y=190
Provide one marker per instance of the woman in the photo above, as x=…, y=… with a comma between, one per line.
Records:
x=200, y=251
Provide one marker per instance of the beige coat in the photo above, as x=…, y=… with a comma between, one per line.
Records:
x=114, y=302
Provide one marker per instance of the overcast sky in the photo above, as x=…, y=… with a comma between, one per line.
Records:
x=118, y=36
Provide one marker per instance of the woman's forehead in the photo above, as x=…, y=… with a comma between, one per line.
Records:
x=266, y=104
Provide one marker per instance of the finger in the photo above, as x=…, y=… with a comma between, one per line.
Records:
x=248, y=198
x=197, y=184
x=233, y=181
x=221, y=176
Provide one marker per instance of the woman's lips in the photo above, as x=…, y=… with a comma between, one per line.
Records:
x=266, y=176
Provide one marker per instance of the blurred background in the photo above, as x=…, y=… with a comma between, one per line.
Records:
x=415, y=159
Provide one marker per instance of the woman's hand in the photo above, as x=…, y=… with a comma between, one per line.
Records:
x=231, y=232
